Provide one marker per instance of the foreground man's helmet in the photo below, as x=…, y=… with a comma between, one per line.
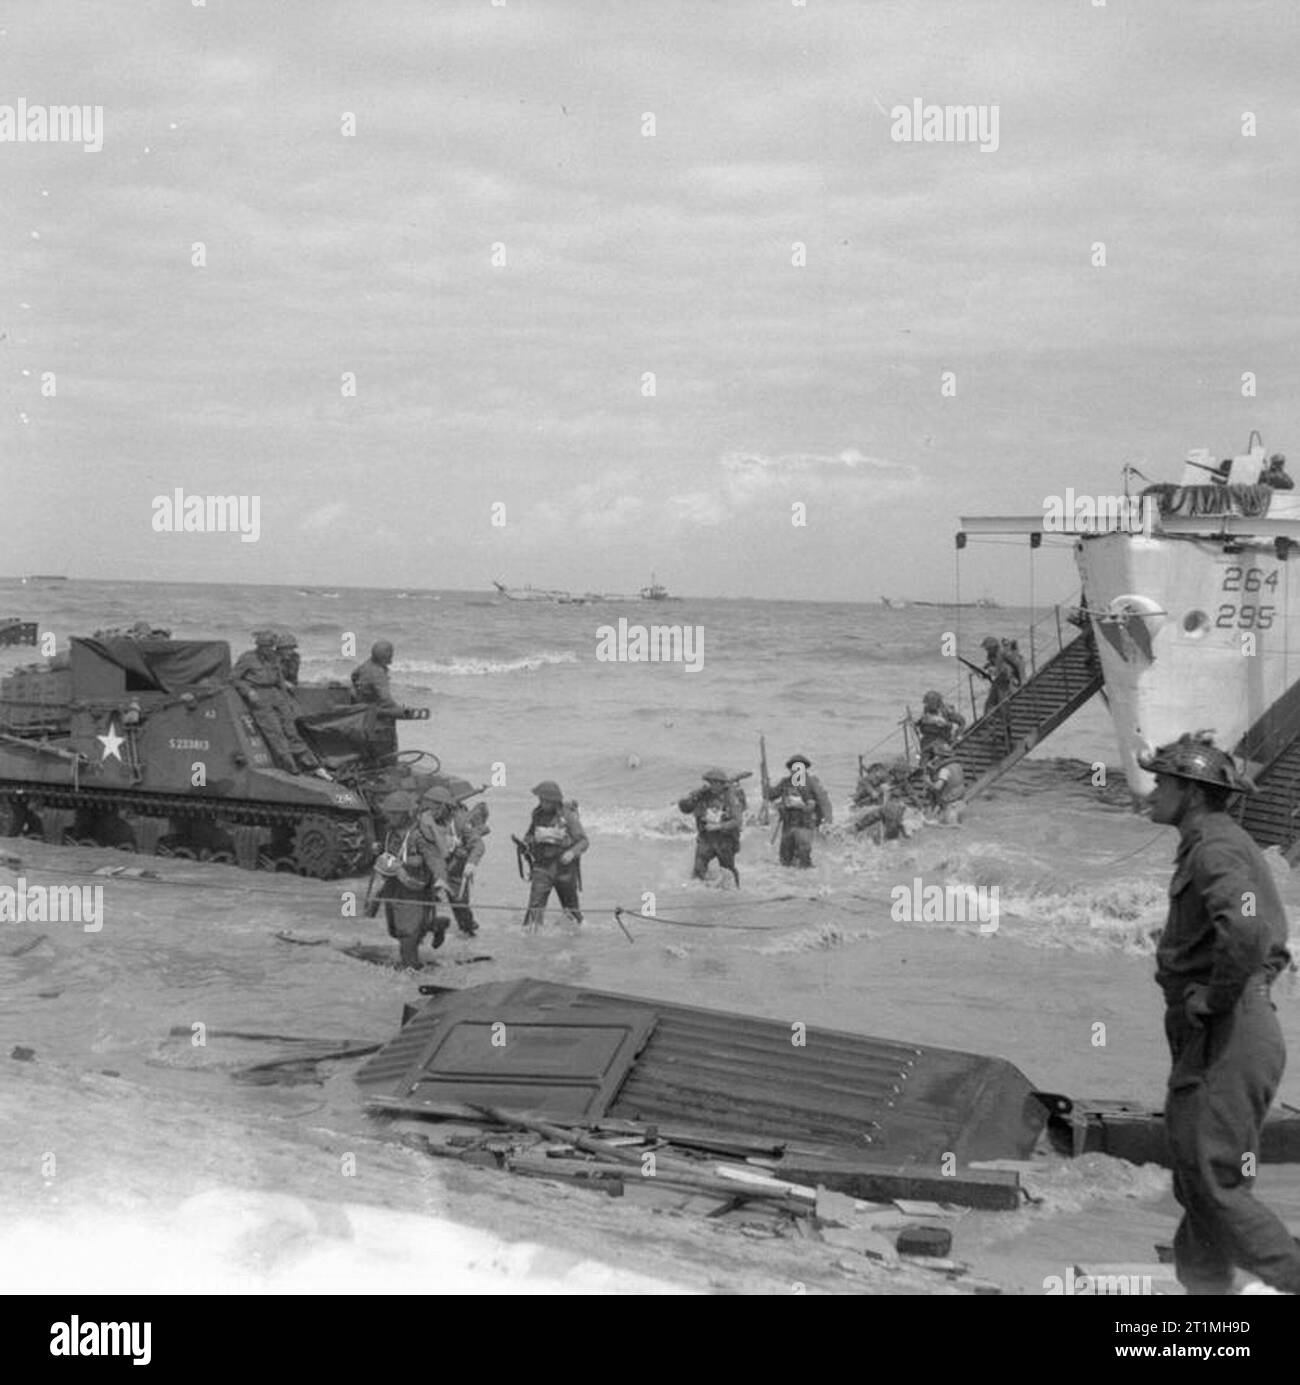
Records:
x=439, y=796
x=1194, y=756
x=548, y=791
x=715, y=776
x=286, y=639
x=381, y=649
x=264, y=639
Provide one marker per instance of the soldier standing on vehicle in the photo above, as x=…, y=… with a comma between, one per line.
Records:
x=370, y=686
x=554, y=843
x=803, y=806
x=718, y=810
x=286, y=646
x=1224, y=942
x=260, y=679
x=370, y=681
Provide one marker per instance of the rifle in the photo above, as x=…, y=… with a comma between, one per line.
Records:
x=764, y=813
x=467, y=794
x=975, y=668
x=523, y=855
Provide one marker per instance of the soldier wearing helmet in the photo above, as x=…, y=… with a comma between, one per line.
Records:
x=259, y=676
x=370, y=680
x=803, y=807
x=1003, y=667
x=456, y=830
x=370, y=685
x=945, y=784
x=1275, y=474
x=878, y=803
x=1224, y=941
x=286, y=646
x=553, y=846
x=718, y=808
x=413, y=874
x=939, y=724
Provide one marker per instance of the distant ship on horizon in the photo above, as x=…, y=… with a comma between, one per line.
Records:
x=985, y=603
x=654, y=592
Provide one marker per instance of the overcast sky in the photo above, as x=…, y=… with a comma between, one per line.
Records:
x=521, y=383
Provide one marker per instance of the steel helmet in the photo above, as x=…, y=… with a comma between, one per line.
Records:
x=932, y=699
x=991, y=642
x=1194, y=756
x=286, y=639
x=798, y=760
x=439, y=795
x=715, y=775
x=548, y=790
x=381, y=650
x=264, y=639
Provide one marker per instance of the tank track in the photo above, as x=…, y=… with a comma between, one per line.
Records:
x=350, y=828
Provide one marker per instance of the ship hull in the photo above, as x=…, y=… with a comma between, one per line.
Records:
x=1192, y=635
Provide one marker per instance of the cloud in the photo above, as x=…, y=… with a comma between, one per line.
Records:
x=750, y=475
x=323, y=517
x=697, y=508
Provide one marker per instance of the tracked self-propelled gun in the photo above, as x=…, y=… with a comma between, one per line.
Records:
x=144, y=743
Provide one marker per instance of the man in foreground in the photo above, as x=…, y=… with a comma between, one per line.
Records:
x=1222, y=945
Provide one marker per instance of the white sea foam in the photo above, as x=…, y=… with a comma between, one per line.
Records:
x=478, y=668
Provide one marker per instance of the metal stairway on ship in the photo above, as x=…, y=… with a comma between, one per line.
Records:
x=1272, y=816
x=1012, y=729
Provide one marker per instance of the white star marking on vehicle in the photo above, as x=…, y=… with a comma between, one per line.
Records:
x=112, y=744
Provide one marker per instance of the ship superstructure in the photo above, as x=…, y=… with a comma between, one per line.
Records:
x=1191, y=608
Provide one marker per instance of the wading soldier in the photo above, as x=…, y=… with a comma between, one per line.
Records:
x=554, y=843
x=718, y=810
x=803, y=806
x=462, y=848
x=939, y=724
x=412, y=872
x=1222, y=945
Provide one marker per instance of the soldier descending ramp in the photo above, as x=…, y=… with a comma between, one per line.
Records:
x=1012, y=729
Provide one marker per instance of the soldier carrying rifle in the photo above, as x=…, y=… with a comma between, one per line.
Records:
x=718, y=807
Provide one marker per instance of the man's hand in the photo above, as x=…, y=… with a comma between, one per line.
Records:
x=1196, y=1005
x=566, y=857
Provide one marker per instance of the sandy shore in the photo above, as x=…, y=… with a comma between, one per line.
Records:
x=166, y=1173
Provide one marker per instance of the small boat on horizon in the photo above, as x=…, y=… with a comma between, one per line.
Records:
x=656, y=591
x=985, y=603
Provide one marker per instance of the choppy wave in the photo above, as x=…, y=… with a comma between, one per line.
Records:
x=647, y=824
x=479, y=668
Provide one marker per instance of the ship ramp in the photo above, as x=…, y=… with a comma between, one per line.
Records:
x=1011, y=730
x=1272, y=816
